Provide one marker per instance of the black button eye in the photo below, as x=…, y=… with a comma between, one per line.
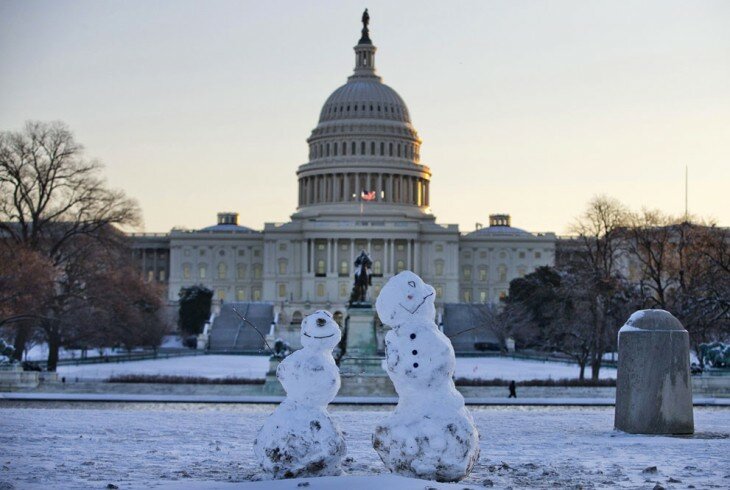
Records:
x=321, y=322
x=415, y=352
x=413, y=336
x=412, y=284
x=415, y=364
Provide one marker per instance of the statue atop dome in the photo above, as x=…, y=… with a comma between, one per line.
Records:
x=365, y=39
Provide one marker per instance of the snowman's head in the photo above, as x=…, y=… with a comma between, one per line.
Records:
x=405, y=297
x=320, y=331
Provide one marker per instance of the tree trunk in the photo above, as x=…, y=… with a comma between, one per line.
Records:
x=596, y=367
x=582, y=374
x=54, y=345
x=22, y=333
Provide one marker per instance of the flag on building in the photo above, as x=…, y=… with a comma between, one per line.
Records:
x=367, y=195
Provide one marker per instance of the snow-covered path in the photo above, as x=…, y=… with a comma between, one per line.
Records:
x=221, y=366
x=141, y=445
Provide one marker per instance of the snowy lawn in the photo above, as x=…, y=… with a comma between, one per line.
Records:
x=147, y=445
x=222, y=366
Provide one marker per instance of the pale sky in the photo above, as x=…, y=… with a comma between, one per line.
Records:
x=524, y=107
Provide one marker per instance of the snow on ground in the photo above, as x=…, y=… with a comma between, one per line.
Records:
x=222, y=366
x=145, y=445
x=519, y=369
x=212, y=366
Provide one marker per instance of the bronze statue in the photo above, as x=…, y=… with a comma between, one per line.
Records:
x=365, y=39
x=363, y=278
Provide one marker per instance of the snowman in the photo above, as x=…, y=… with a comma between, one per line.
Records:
x=300, y=439
x=430, y=434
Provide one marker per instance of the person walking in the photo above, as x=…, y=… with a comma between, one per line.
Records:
x=512, y=389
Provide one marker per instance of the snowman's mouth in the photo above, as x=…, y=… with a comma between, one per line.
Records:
x=315, y=337
x=414, y=310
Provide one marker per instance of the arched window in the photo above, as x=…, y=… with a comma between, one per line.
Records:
x=320, y=267
x=334, y=149
x=377, y=267
x=222, y=270
x=344, y=269
x=202, y=271
x=186, y=271
x=257, y=271
x=296, y=318
x=362, y=148
x=354, y=147
x=398, y=149
x=282, y=266
x=372, y=147
x=328, y=149
x=240, y=294
x=344, y=148
x=390, y=149
x=382, y=148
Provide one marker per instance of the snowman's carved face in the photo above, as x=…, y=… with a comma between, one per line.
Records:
x=320, y=331
x=405, y=297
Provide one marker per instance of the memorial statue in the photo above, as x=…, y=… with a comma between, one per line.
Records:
x=362, y=278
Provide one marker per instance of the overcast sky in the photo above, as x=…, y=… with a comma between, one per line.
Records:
x=524, y=107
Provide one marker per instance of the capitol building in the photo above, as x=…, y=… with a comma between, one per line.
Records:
x=363, y=187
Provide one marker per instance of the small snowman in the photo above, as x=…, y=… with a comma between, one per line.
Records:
x=300, y=439
x=430, y=434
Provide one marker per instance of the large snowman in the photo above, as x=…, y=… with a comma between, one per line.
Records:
x=300, y=439
x=430, y=434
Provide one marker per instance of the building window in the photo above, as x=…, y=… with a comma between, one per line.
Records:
x=482, y=254
x=222, y=270
x=538, y=255
x=483, y=274
x=221, y=294
x=240, y=294
x=343, y=246
x=282, y=266
x=362, y=148
x=257, y=271
x=482, y=296
x=521, y=271
x=390, y=149
x=521, y=255
x=382, y=145
x=150, y=275
x=222, y=253
x=282, y=290
x=502, y=295
x=344, y=269
x=439, y=247
x=502, y=271
x=467, y=255
x=502, y=255
x=439, y=267
x=353, y=148
x=282, y=247
x=257, y=253
x=377, y=268
x=241, y=252
x=372, y=147
x=162, y=275
x=201, y=252
x=296, y=318
x=320, y=246
x=202, y=271
x=241, y=271
x=439, y=292
x=320, y=290
x=400, y=247
x=256, y=294
x=467, y=296
x=186, y=252
x=186, y=271
x=400, y=266
x=466, y=272
x=343, y=290
x=320, y=267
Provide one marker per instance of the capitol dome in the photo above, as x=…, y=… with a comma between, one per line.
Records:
x=364, y=148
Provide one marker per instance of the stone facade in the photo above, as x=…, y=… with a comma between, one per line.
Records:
x=363, y=187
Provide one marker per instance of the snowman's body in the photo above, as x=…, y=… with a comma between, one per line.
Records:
x=300, y=439
x=430, y=434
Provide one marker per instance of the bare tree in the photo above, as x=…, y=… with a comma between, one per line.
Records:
x=600, y=230
x=504, y=321
x=54, y=201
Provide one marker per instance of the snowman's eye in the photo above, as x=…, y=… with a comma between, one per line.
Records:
x=412, y=284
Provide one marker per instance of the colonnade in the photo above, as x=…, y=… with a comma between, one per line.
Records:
x=392, y=259
x=347, y=187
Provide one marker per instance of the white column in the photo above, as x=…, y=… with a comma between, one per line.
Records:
x=311, y=255
x=390, y=188
x=379, y=189
x=369, y=243
x=416, y=265
x=408, y=255
x=328, y=265
x=392, y=255
x=352, y=252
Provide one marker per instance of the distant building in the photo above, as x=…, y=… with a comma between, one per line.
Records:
x=363, y=187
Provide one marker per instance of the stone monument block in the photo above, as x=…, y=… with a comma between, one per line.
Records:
x=653, y=387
